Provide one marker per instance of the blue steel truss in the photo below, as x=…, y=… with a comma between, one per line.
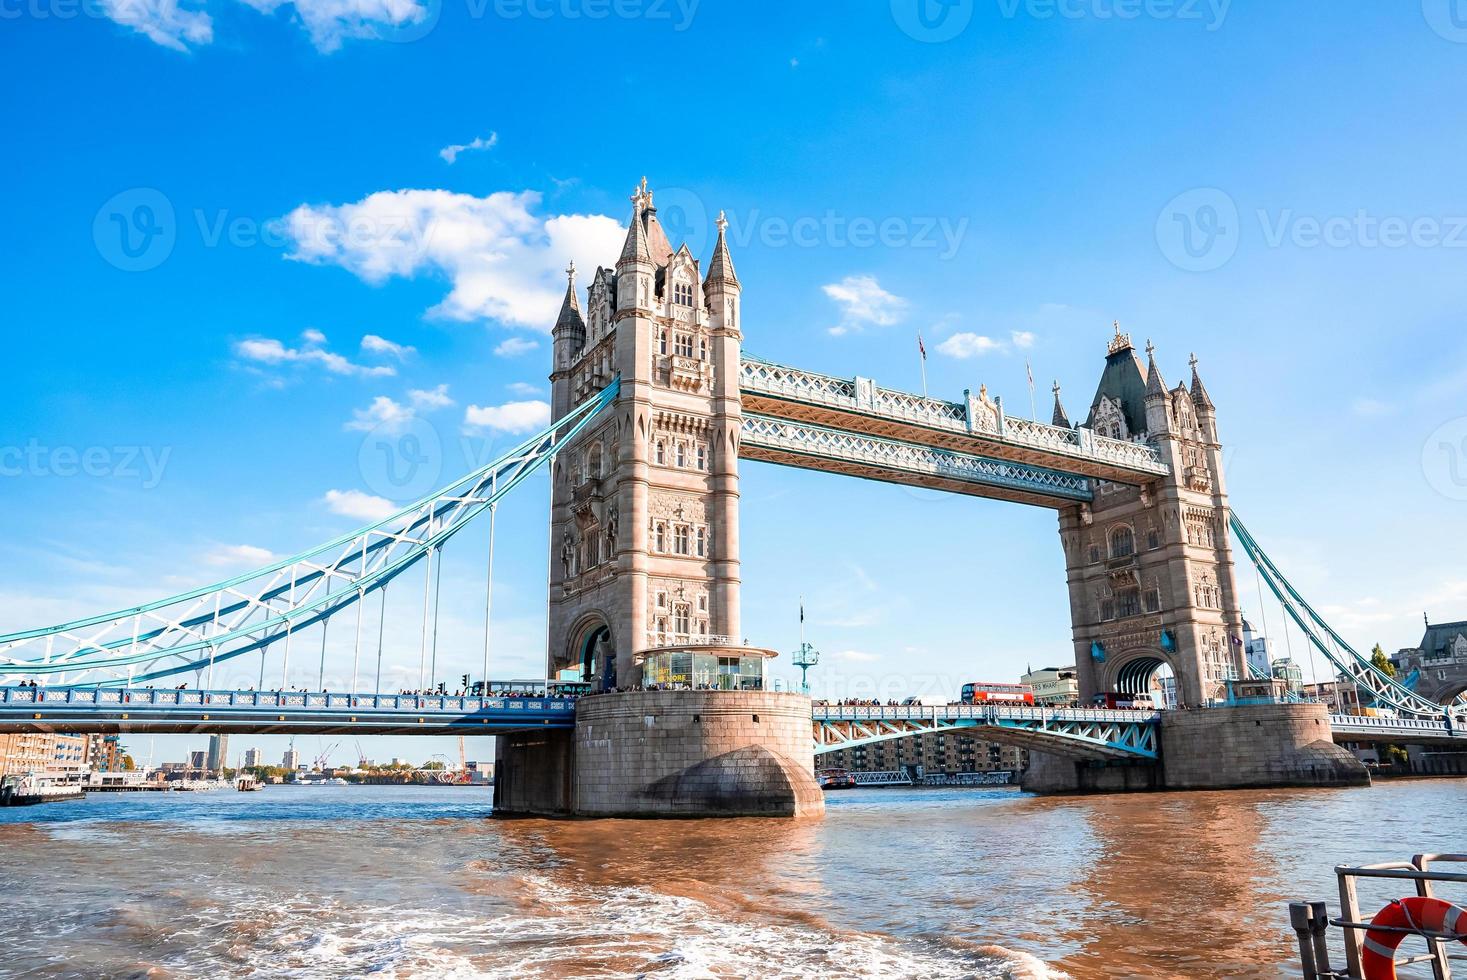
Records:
x=194, y=631
x=1074, y=732
x=891, y=456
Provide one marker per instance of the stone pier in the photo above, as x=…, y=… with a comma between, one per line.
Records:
x=1240, y=747
x=666, y=754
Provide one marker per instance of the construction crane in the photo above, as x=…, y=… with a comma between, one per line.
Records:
x=361, y=756
x=320, y=763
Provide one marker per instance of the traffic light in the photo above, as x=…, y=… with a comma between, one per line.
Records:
x=466, y=682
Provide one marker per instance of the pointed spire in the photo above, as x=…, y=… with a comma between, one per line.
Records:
x=1060, y=418
x=1200, y=397
x=636, y=248
x=1155, y=385
x=570, y=307
x=721, y=267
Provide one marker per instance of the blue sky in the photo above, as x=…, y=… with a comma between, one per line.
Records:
x=240, y=235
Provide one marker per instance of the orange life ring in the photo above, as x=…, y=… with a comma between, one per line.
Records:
x=1378, y=958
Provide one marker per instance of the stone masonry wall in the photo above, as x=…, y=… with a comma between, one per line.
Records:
x=1255, y=745
x=695, y=753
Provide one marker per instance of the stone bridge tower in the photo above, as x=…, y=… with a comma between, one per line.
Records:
x=644, y=522
x=1150, y=568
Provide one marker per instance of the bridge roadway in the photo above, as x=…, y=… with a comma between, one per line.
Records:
x=1072, y=732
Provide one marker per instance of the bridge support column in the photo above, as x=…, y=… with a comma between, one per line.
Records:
x=667, y=754
x=1241, y=747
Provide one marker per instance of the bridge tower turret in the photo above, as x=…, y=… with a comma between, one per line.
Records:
x=1150, y=568
x=644, y=521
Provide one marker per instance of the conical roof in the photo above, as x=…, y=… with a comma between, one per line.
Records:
x=721, y=267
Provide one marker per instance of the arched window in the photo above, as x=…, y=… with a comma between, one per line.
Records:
x=702, y=542
x=661, y=453
x=660, y=538
x=662, y=342
x=682, y=455
x=680, y=539
x=1122, y=542
x=682, y=293
x=702, y=457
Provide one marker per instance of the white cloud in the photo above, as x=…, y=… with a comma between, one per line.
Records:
x=512, y=417
x=268, y=351
x=966, y=345
x=384, y=412
x=238, y=556
x=373, y=344
x=515, y=346
x=163, y=22
x=450, y=153
x=329, y=22
x=503, y=260
x=523, y=388
x=1022, y=339
x=428, y=399
x=863, y=303
x=391, y=415
x=358, y=506
x=1371, y=408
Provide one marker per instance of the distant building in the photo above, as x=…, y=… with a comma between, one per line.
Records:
x=945, y=752
x=1054, y=685
x=198, y=760
x=1341, y=696
x=1286, y=670
x=291, y=759
x=1255, y=648
x=253, y=757
x=1436, y=669
x=104, y=753
x=218, y=752
x=43, y=752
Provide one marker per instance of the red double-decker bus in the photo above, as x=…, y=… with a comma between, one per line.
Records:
x=978, y=692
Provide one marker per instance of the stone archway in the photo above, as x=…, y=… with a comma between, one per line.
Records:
x=592, y=650
x=1137, y=672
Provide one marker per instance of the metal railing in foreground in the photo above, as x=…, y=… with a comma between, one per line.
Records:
x=1360, y=939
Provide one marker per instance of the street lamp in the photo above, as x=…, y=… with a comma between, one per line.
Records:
x=807, y=656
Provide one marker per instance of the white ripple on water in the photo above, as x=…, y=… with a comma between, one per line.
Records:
x=577, y=931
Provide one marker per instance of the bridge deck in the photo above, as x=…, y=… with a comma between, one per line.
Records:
x=974, y=427
x=109, y=710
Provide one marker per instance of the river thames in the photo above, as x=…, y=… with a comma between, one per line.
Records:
x=416, y=882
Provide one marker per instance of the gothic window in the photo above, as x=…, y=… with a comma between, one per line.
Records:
x=682, y=293
x=593, y=463
x=702, y=603
x=661, y=600
x=680, y=539
x=1153, y=540
x=1094, y=555
x=1122, y=542
x=684, y=344
x=660, y=537
x=1107, y=610
x=1153, y=600
x=703, y=348
x=702, y=542
x=682, y=455
x=661, y=453
x=662, y=342
x=702, y=455
x=1128, y=603
x=680, y=620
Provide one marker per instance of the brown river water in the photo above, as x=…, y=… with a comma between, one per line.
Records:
x=419, y=882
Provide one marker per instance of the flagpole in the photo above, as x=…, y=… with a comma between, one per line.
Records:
x=922, y=359
x=1033, y=411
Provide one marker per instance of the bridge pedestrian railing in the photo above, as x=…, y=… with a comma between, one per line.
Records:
x=287, y=701
x=985, y=713
x=1404, y=727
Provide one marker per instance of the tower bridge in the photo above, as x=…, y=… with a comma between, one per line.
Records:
x=655, y=405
